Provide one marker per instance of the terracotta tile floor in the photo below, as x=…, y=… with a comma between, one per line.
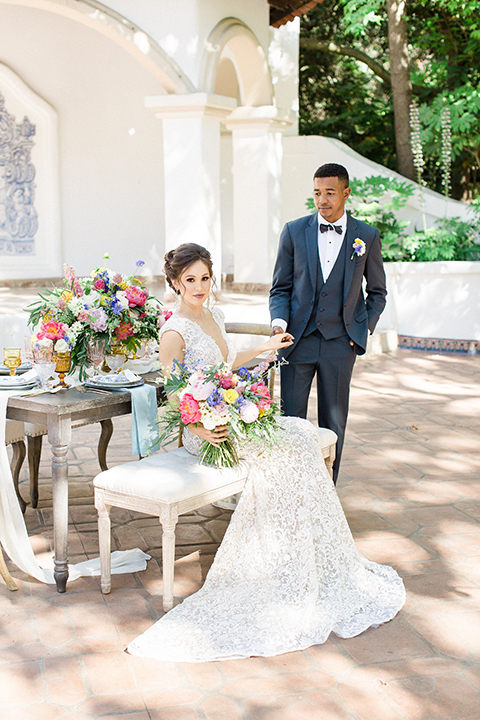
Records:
x=411, y=491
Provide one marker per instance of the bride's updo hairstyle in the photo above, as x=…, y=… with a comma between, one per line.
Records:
x=178, y=260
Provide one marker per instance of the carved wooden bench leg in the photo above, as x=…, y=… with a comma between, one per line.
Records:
x=18, y=457
x=104, y=541
x=106, y=434
x=168, y=518
x=9, y=581
x=329, y=459
x=34, y=445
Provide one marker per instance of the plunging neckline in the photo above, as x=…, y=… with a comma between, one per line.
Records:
x=222, y=333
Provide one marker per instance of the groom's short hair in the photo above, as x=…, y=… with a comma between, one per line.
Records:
x=333, y=170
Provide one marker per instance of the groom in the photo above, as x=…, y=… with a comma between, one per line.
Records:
x=317, y=295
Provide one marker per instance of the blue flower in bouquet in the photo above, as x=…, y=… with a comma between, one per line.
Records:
x=101, y=281
x=215, y=398
x=243, y=373
x=116, y=306
x=191, y=363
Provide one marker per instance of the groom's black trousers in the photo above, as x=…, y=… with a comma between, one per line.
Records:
x=332, y=362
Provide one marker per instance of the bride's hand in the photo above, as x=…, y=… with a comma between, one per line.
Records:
x=215, y=437
x=279, y=341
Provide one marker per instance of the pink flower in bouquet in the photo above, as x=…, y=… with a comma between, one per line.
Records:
x=201, y=390
x=72, y=280
x=249, y=412
x=124, y=330
x=135, y=296
x=264, y=403
x=117, y=279
x=97, y=319
x=52, y=330
x=189, y=409
x=83, y=316
x=261, y=368
x=163, y=317
x=226, y=381
x=260, y=389
x=61, y=304
x=99, y=284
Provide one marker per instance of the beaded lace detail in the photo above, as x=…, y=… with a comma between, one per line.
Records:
x=287, y=573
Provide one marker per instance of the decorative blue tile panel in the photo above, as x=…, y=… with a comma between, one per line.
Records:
x=18, y=217
x=439, y=344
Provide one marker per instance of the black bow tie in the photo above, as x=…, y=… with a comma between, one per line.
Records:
x=337, y=228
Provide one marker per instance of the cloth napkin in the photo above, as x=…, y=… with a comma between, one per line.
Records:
x=14, y=536
x=144, y=418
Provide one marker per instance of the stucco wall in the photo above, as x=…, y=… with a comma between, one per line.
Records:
x=182, y=27
x=110, y=146
x=433, y=300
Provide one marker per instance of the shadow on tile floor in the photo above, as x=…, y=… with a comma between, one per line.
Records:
x=410, y=488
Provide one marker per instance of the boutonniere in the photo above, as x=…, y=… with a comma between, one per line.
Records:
x=359, y=248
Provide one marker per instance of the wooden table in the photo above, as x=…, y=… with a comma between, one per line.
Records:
x=58, y=412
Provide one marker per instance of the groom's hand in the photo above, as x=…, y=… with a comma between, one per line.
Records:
x=276, y=330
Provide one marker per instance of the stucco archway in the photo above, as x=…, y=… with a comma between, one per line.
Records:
x=235, y=65
x=121, y=31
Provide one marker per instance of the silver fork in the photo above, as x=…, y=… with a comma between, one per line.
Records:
x=82, y=388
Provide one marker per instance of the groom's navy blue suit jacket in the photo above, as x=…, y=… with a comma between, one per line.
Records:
x=292, y=296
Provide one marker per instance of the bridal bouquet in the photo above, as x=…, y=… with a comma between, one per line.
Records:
x=104, y=306
x=213, y=396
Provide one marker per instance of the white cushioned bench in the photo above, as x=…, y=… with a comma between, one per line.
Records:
x=167, y=485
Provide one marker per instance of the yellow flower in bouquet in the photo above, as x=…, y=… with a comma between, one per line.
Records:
x=230, y=396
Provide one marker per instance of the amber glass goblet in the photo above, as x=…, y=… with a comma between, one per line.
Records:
x=63, y=364
x=12, y=358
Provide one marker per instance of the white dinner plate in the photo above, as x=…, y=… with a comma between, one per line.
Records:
x=15, y=383
x=112, y=382
x=4, y=370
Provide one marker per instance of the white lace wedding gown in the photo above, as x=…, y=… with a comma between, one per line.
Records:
x=287, y=573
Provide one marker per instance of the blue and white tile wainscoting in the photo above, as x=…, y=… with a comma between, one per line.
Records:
x=470, y=347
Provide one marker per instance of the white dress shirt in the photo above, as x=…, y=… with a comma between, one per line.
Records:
x=329, y=245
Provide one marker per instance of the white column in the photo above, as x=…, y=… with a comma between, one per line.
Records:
x=257, y=167
x=191, y=146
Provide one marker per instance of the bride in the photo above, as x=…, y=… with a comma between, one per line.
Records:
x=287, y=573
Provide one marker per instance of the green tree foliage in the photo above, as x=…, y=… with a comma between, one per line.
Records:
x=339, y=97
x=377, y=199
x=344, y=98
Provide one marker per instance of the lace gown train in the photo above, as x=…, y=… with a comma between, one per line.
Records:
x=287, y=573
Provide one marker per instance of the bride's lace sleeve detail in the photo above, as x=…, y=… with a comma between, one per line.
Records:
x=175, y=323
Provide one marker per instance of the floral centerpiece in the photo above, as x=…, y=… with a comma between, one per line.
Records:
x=105, y=306
x=214, y=396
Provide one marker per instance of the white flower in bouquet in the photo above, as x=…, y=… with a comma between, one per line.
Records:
x=122, y=298
x=152, y=306
x=212, y=419
x=75, y=305
x=74, y=331
x=44, y=342
x=61, y=346
x=92, y=299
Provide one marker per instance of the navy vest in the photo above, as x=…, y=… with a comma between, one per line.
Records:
x=327, y=312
